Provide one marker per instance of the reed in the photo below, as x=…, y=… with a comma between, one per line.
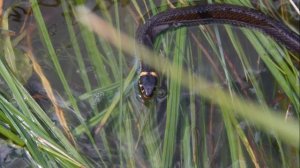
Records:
x=200, y=123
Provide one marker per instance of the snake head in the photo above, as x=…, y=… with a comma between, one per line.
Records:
x=147, y=84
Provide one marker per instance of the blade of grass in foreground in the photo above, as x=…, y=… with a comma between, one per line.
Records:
x=29, y=132
x=150, y=136
x=257, y=114
x=82, y=69
x=172, y=111
x=287, y=79
x=193, y=116
x=29, y=127
x=8, y=49
x=10, y=135
x=45, y=37
x=234, y=133
x=47, y=41
x=75, y=46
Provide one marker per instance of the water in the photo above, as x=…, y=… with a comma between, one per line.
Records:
x=200, y=127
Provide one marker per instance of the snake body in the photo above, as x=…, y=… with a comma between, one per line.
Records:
x=203, y=15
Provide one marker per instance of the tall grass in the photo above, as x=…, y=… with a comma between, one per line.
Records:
x=216, y=113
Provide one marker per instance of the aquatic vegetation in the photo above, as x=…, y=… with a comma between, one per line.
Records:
x=69, y=96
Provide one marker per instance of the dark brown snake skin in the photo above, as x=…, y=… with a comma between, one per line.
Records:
x=202, y=15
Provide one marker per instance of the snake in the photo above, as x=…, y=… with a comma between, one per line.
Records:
x=234, y=15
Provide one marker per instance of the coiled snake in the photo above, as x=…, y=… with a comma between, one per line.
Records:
x=202, y=15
